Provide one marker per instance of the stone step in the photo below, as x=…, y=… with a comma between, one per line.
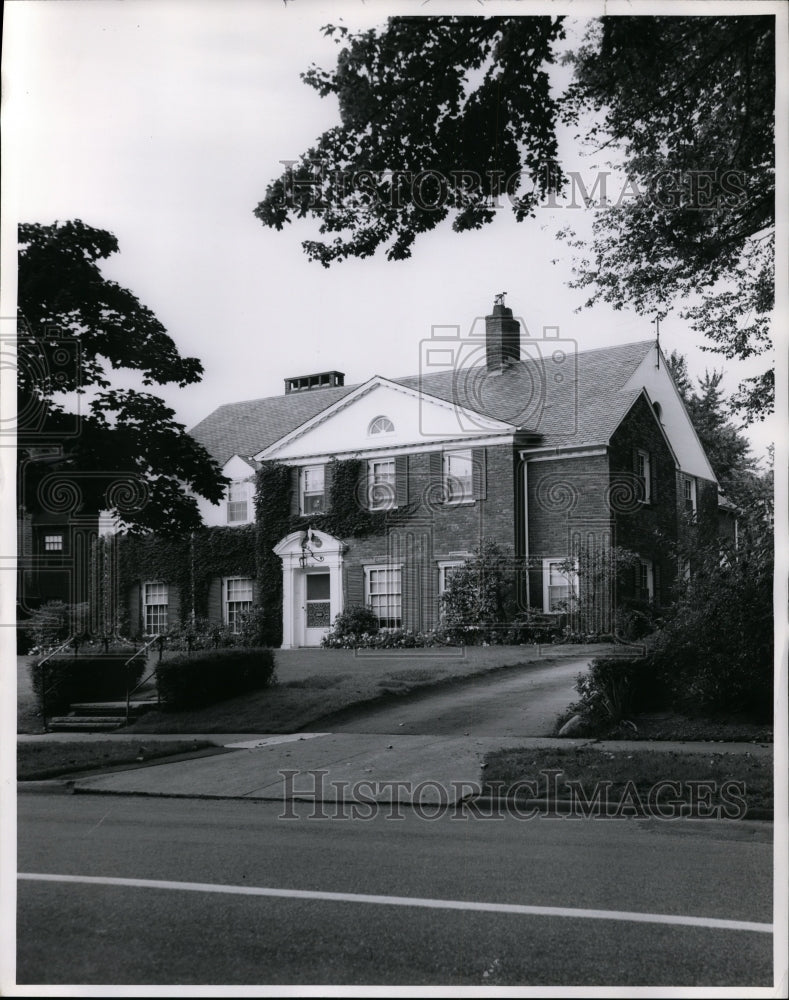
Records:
x=96, y=708
x=86, y=723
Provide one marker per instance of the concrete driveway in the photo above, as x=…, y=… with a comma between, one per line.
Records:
x=522, y=703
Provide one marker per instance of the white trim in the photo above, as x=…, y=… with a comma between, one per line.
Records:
x=443, y=566
x=436, y=444
x=650, y=587
x=647, y=477
x=558, y=454
x=378, y=381
x=572, y=582
x=314, y=466
x=371, y=484
x=388, y=568
x=225, y=594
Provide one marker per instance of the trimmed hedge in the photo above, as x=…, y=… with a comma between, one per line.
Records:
x=210, y=675
x=82, y=678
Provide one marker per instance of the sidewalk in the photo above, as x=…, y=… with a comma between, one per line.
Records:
x=331, y=766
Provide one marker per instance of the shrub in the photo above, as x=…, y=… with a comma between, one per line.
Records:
x=715, y=653
x=200, y=633
x=53, y=623
x=615, y=687
x=208, y=676
x=66, y=679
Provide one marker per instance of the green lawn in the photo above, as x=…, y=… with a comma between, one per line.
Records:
x=313, y=683
x=48, y=759
x=645, y=769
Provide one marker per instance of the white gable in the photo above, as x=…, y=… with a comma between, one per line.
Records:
x=237, y=469
x=413, y=420
x=659, y=384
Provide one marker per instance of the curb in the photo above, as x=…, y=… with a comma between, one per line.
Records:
x=568, y=809
x=49, y=786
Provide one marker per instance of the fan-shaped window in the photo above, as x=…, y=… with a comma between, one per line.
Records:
x=381, y=425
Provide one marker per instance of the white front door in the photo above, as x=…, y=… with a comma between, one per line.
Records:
x=317, y=607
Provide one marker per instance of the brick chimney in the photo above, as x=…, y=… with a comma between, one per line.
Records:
x=502, y=336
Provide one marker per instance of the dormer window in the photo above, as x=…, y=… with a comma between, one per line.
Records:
x=238, y=495
x=380, y=425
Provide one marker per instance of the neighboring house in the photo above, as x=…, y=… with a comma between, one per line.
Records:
x=551, y=453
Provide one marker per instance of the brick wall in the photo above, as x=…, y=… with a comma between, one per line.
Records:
x=429, y=530
x=567, y=507
x=646, y=528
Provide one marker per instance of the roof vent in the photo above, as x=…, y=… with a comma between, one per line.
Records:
x=306, y=383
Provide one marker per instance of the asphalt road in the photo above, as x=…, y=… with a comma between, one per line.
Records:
x=516, y=703
x=98, y=933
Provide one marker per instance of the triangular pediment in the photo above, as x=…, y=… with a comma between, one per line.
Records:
x=381, y=416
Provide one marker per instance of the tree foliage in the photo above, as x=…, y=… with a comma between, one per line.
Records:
x=441, y=114
x=741, y=478
x=124, y=452
x=689, y=104
x=440, y=95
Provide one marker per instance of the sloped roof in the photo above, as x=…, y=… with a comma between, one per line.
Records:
x=585, y=407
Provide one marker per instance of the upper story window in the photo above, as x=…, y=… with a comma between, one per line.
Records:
x=238, y=497
x=689, y=494
x=313, y=497
x=457, y=476
x=380, y=425
x=644, y=473
x=53, y=543
x=381, y=483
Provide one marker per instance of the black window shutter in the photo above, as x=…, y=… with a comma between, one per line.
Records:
x=401, y=480
x=479, y=473
x=294, y=490
x=328, y=482
x=653, y=493
x=354, y=586
x=436, y=467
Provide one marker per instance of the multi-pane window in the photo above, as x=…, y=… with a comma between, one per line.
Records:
x=312, y=490
x=689, y=494
x=645, y=579
x=53, y=543
x=155, y=608
x=381, y=483
x=238, y=599
x=445, y=573
x=457, y=476
x=384, y=595
x=644, y=473
x=560, y=585
x=380, y=425
x=238, y=503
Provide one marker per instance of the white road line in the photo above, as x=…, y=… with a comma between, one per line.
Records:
x=431, y=904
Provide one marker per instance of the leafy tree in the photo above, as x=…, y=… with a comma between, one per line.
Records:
x=689, y=103
x=739, y=474
x=125, y=453
x=441, y=114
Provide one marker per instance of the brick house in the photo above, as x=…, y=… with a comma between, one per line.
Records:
x=551, y=453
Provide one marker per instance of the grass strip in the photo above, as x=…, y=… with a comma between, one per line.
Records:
x=48, y=759
x=697, y=778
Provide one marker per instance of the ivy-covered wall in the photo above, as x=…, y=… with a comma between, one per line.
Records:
x=276, y=512
x=187, y=565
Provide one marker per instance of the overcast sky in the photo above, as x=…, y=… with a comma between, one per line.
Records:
x=164, y=122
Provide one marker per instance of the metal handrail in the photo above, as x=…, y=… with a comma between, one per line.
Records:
x=57, y=649
x=130, y=691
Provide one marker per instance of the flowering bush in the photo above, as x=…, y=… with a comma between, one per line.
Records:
x=396, y=638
